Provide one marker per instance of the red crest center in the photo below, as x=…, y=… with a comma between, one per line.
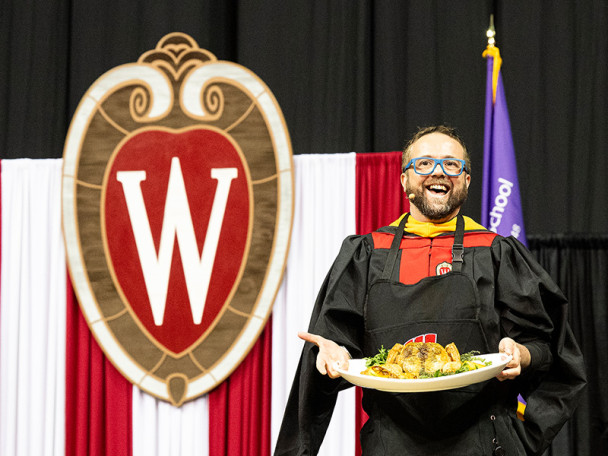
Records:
x=176, y=211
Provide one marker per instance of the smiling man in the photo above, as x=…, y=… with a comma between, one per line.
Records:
x=436, y=177
x=438, y=276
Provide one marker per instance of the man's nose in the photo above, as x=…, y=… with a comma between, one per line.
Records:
x=437, y=169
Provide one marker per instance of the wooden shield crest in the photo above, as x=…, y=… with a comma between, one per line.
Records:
x=177, y=212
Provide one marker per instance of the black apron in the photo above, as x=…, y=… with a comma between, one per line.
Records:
x=451, y=422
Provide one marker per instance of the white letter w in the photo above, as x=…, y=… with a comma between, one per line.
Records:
x=177, y=221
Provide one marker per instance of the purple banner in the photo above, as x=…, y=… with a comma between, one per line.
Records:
x=501, y=203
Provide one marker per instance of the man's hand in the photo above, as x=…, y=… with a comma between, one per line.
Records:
x=520, y=360
x=331, y=356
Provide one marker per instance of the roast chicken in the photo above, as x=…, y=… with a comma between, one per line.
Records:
x=417, y=359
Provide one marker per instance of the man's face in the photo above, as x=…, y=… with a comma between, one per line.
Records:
x=437, y=197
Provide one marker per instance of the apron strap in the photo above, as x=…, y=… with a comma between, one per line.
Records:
x=392, y=255
x=458, y=247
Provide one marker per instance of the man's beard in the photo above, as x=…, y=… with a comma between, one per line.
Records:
x=437, y=211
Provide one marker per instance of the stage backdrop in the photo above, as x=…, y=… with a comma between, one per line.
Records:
x=349, y=76
x=59, y=395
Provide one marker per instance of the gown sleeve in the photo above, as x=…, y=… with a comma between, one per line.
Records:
x=337, y=315
x=534, y=312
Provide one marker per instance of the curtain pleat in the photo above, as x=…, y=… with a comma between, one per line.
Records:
x=98, y=397
x=239, y=408
x=379, y=201
x=160, y=429
x=578, y=264
x=324, y=215
x=32, y=320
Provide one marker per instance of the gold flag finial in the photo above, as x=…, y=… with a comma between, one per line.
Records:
x=492, y=51
x=491, y=33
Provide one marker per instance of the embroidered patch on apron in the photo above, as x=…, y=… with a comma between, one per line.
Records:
x=443, y=268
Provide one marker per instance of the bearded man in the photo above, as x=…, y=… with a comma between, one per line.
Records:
x=434, y=271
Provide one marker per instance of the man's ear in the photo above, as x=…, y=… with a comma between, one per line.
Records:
x=468, y=180
x=403, y=180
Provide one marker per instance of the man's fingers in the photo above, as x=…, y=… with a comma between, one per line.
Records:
x=330, y=357
x=504, y=375
x=513, y=367
x=308, y=337
x=332, y=368
x=332, y=372
x=321, y=365
x=330, y=365
x=506, y=346
x=515, y=360
x=509, y=374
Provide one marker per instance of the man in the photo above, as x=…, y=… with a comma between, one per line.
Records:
x=436, y=272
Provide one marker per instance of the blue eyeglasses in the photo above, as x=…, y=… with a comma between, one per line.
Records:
x=426, y=165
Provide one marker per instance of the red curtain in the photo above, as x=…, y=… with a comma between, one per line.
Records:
x=98, y=397
x=380, y=198
x=239, y=408
x=379, y=201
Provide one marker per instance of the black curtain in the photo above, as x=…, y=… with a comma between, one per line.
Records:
x=578, y=264
x=357, y=75
x=350, y=76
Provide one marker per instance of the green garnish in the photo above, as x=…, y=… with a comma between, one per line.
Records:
x=380, y=358
x=469, y=356
x=472, y=355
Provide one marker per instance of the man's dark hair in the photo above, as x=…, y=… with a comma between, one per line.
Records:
x=444, y=129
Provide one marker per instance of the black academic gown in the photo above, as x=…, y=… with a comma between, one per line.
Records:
x=500, y=291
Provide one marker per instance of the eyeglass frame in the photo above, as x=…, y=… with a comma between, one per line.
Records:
x=437, y=161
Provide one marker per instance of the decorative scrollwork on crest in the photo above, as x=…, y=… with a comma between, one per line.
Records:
x=139, y=104
x=212, y=100
x=179, y=56
x=176, y=54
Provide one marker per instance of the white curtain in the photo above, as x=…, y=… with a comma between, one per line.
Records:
x=160, y=429
x=32, y=310
x=33, y=328
x=324, y=216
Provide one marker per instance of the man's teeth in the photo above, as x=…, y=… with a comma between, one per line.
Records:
x=439, y=188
